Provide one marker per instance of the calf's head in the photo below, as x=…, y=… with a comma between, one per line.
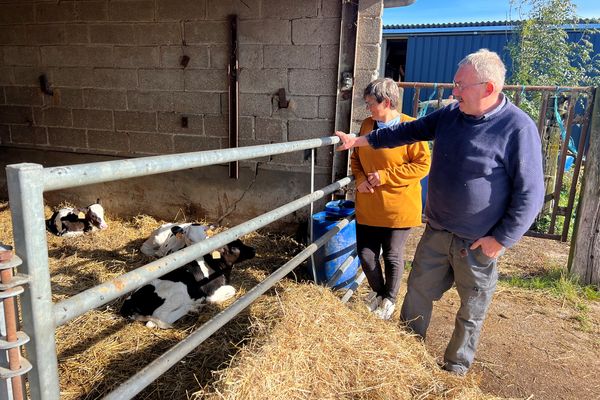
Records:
x=236, y=252
x=95, y=214
x=192, y=234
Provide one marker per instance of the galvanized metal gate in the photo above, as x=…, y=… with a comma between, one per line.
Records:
x=563, y=116
x=26, y=185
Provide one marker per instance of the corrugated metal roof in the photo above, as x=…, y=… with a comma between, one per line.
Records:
x=582, y=21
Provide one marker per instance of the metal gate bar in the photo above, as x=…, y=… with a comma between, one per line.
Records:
x=26, y=185
x=148, y=374
x=97, y=296
x=577, y=92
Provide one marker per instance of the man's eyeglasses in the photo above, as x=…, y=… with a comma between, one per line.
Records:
x=461, y=86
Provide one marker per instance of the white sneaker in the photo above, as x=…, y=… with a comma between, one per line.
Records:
x=372, y=301
x=385, y=309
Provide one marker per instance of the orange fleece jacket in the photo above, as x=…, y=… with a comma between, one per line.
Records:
x=396, y=203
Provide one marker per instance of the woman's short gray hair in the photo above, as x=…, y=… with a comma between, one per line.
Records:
x=488, y=66
x=382, y=89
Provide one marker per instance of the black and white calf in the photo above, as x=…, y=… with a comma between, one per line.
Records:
x=177, y=293
x=169, y=238
x=67, y=221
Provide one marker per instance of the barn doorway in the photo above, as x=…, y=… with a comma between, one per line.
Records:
x=395, y=59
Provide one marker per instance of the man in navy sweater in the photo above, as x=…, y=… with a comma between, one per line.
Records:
x=485, y=189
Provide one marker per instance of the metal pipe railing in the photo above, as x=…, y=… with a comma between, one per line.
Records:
x=25, y=192
x=341, y=270
x=77, y=305
x=26, y=185
x=86, y=174
x=148, y=374
x=419, y=85
x=357, y=282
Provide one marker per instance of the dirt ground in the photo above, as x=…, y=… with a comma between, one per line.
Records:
x=532, y=345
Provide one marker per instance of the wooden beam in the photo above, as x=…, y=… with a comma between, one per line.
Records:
x=584, y=260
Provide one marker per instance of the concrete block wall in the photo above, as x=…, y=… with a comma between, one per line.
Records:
x=119, y=88
x=368, y=45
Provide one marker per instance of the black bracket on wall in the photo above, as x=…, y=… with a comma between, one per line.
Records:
x=185, y=59
x=283, y=102
x=45, y=85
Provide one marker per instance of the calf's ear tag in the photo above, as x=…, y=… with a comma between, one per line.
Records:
x=81, y=215
x=215, y=254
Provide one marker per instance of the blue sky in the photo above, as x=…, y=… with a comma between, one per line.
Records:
x=443, y=11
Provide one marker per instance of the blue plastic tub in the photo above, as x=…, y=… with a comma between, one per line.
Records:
x=330, y=257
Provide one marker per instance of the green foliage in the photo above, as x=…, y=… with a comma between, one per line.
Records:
x=541, y=51
x=559, y=283
x=542, y=55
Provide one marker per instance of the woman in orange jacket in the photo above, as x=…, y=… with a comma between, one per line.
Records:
x=388, y=198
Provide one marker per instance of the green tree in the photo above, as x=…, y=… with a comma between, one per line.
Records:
x=541, y=52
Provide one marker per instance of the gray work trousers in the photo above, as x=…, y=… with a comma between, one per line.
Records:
x=442, y=259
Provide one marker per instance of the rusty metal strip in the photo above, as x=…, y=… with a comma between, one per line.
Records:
x=415, y=110
x=586, y=89
x=542, y=117
x=234, y=91
x=542, y=235
x=561, y=163
x=16, y=365
x=517, y=100
x=440, y=95
x=345, y=86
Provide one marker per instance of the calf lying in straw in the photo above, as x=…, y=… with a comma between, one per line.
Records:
x=165, y=300
x=168, y=238
x=77, y=221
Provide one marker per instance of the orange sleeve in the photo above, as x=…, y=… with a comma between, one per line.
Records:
x=415, y=170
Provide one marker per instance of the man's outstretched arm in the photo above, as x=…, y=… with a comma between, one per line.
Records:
x=350, y=141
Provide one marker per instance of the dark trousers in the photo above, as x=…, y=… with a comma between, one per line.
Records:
x=370, y=241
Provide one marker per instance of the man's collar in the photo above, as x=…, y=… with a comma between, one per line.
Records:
x=497, y=108
x=492, y=111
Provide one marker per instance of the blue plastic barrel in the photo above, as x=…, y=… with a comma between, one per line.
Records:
x=330, y=257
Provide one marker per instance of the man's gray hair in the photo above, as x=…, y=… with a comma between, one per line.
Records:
x=488, y=66
x=383, y=88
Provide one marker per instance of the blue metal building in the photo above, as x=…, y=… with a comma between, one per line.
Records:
x=430, y=53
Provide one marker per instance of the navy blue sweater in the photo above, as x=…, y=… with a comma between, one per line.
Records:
x=486, y=174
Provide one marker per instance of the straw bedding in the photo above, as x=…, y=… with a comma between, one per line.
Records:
x=297, y=341
x=319, y=348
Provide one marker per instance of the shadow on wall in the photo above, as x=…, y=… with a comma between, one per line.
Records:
x=192, y=194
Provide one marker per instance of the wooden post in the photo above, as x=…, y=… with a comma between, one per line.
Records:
x=584, y=260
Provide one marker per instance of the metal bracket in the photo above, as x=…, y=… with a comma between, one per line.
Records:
x=15, y=261
x=22, y=338
x=12, y=292
x=347, y=81
x=6, y=373
x=283, y=102
x=17, y=280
